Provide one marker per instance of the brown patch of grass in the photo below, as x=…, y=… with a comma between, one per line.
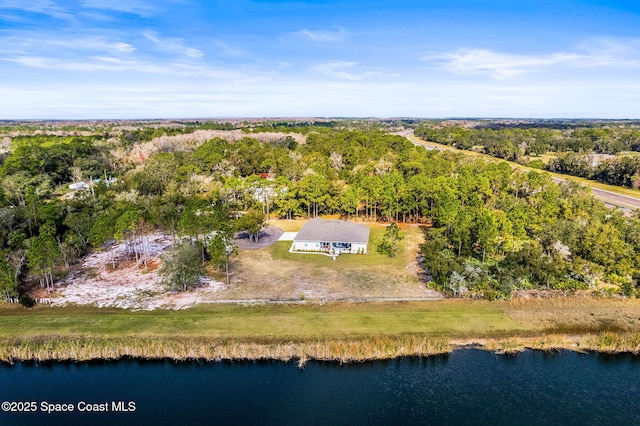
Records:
x=576, y=315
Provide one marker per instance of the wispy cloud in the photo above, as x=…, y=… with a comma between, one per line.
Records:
x=322, y=36
x=77, y=11
x=624, y=52
x=90, y=44
x=504, y=65
x=133, y=65
x=172, y=45
x=61, y=47
x=95, y=54
x=137, y=7
x=228, y=50
x=343, y=70
x=44, y=7
x=87, y=64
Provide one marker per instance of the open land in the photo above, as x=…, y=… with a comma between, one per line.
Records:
x=333, y=331
x=282, y=305
x=275, y=274
x=262, y=272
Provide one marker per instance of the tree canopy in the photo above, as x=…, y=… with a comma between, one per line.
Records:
x=489, y=230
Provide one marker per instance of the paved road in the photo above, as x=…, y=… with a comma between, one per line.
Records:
x=624, y=202
x=616, y=199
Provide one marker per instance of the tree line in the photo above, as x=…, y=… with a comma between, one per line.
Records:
x=573, y=149
x=489, y=230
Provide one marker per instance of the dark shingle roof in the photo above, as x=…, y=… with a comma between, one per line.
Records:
x=333, y=231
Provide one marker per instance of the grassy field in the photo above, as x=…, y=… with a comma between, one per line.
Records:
x=270, y=322
x=336, y=331
x=452, y=318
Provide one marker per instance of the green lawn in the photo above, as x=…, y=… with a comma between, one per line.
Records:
x=267, y=322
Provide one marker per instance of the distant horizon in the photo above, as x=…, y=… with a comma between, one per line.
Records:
x=118, y=59
x=302, y=118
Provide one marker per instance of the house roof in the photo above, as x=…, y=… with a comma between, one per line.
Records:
x=333, y=231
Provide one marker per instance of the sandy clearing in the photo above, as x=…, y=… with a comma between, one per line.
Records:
x=128, y=286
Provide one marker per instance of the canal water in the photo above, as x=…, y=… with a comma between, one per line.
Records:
x=467, y=387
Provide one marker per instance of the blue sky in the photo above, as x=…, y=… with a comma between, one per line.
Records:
x=87, y=59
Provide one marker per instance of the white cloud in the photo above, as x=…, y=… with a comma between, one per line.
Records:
x=238, y=97
x=45, y=7
x=227, y=50
x=172, y=45
x=88, y=64
x=118, y=65
x=91, y=44
x=20, y=45
x=138, y=7
x=624, y=53
x=340, y=69
x=322, y=36
x=504, y=65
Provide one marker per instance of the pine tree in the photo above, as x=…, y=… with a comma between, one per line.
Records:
x=390, y=240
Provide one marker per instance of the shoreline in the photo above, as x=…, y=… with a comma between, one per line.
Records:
x=341, y=332
x=182, y=349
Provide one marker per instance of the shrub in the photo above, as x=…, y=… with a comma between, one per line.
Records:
x=537, y=164
x=26, y=300
x=570, y=284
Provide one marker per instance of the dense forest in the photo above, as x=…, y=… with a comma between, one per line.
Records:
x=607, y=152
x=489, y=230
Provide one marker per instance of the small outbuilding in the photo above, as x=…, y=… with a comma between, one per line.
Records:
x=79, y=186
x=332, y=237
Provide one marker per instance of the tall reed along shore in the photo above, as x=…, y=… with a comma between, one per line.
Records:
x=343, y=332
x=81, y=349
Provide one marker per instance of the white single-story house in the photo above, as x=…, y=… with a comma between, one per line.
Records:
x=332, y=237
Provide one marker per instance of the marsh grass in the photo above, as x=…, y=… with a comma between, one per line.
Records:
x=183, y=349
x=86, y=348
x=607, y=342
